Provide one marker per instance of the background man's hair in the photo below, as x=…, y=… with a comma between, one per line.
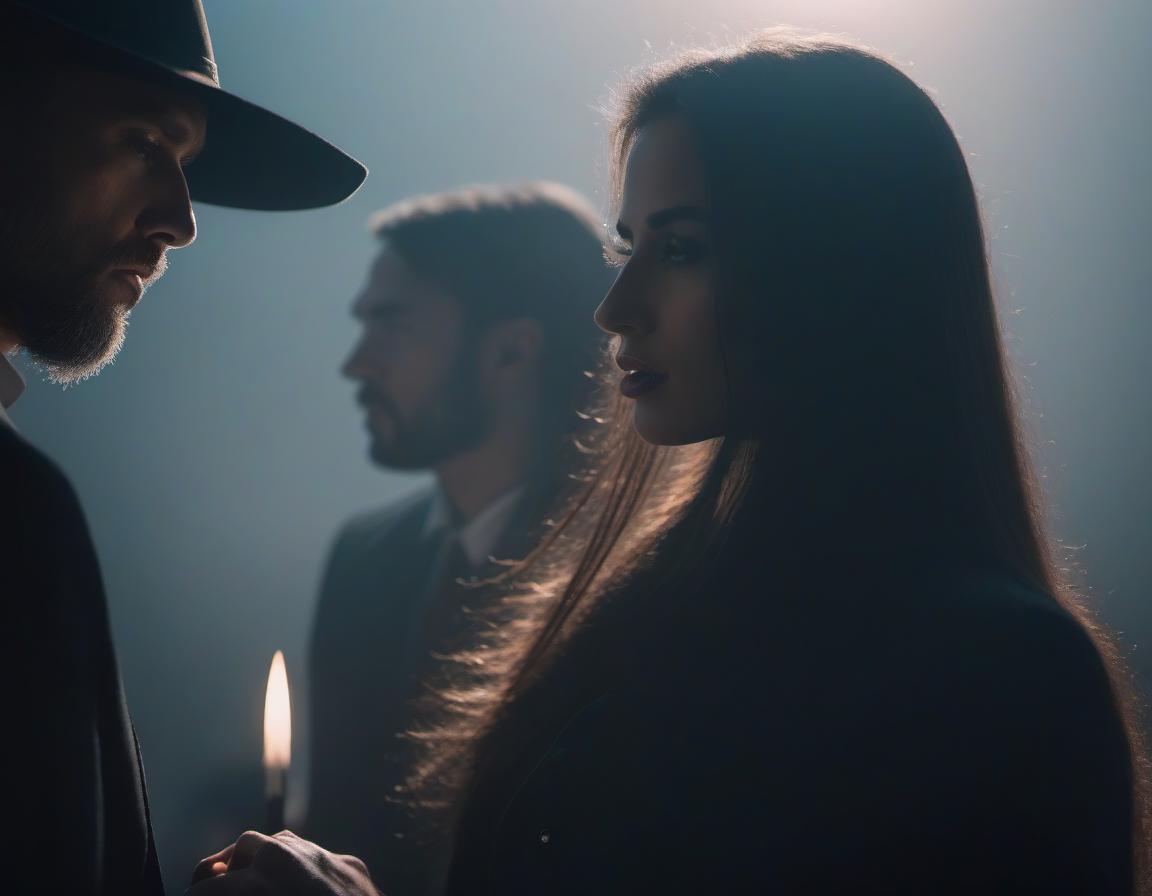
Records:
x=531, y=250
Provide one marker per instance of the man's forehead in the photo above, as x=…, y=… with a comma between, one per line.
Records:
x=387, y=281
x=180, y=116
x=392, y=281
x=175, y=110
x=390, y=272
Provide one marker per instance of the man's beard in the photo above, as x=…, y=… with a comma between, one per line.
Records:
x=53, y=304
x=456, y=419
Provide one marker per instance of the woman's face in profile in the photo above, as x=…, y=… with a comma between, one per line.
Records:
x=662, y=304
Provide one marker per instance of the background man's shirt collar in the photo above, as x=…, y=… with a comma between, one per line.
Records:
x=480, y=535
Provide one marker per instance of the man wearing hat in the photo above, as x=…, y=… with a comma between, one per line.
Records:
x=114, y=121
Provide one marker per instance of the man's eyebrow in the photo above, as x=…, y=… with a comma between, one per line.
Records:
x=666, y=216
x=390, y=307
x=173, y=124
x=177, y=131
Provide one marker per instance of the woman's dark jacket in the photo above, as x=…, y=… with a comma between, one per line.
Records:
x=944, y=735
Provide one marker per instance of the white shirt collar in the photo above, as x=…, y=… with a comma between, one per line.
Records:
x=480, y=535
x=11, y=385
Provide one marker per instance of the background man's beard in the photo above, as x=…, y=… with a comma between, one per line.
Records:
x=456, y=420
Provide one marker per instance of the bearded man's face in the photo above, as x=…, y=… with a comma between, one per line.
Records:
x=94, y=195
x=420, y=383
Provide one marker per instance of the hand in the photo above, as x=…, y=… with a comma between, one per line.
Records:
x=284, y=865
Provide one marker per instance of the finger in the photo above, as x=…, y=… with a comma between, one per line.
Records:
x=289, y=840
x=207, y=867
x=292, y=850
x=290, y=844
x=236, y=883
x=249, y=844
x=357, y=865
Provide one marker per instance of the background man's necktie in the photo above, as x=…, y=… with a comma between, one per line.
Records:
x=441, y=620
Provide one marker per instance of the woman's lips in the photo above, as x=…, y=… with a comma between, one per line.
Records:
x=639, y=379
x=640, y=382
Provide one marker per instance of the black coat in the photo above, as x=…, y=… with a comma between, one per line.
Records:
x=74, y=796
x=954, y=738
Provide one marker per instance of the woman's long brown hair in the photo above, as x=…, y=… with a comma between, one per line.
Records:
x=870, y=404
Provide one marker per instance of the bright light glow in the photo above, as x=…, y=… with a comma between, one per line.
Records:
x=277, y=716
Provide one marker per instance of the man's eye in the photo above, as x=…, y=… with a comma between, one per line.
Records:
x=146, y=146
x=387, y=318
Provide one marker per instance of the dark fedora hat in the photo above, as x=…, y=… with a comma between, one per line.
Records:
x=252, y=158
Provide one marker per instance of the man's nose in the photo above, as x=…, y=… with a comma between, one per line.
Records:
x=355, y=366
x=168, y=218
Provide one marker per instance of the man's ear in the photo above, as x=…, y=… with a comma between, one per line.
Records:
x=514, y=346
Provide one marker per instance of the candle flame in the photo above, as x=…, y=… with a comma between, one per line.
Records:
x=277, y=716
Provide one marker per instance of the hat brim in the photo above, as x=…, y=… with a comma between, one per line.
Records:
x=252, y=158
x=255, y=159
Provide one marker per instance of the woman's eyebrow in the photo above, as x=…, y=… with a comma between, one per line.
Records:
x=666, y=216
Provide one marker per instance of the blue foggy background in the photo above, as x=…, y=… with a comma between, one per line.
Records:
x=218, y=455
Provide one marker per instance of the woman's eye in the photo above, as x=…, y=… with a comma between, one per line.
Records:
x=678, y=250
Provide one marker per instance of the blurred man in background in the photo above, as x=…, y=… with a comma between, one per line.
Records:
x=476, y=335
x=105, y=107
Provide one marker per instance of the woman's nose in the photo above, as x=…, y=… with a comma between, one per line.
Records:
x=620, y=311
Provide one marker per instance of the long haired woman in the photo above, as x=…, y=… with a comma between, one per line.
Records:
x=803, y=631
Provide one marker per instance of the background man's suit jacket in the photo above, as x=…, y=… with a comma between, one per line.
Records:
x=74, y=789
x=363, y=676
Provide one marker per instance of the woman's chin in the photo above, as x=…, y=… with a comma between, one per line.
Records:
x=671, y=429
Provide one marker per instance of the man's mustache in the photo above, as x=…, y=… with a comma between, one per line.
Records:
x=369, y=397
x=150, y=260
